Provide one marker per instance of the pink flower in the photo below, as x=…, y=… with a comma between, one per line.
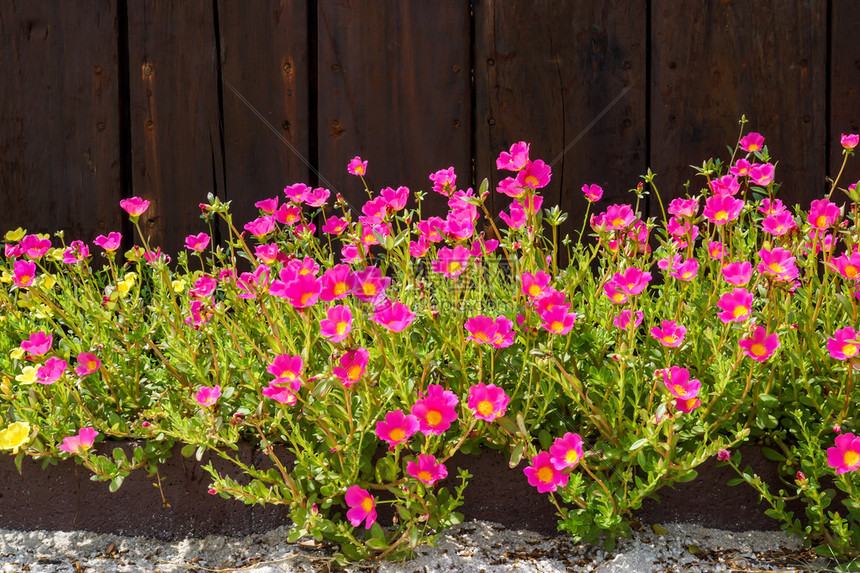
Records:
x=351, y=366
x=677, y=381
x=487, y=402
x=317, y=197
x=362, y=507
x=207, y=396
x=848, y=266
x=444, y=181
x=760, y=345
x=296, y=192
x=395, y=199
x=737, y=273
x=485, y=330
x=686, y=271
x=725, y=185
x=419, y=248
x=762, y=174
x=535, y=175
x=34, y=247
x=267, y=253
x=370, y=285
x=631, y=281
x=285, y=368
x=109, y=243
x=823, y=214
x=336, y=283
x=771, y=206
x=736, y=305
x=723, y=455
x=716, y=250
x=203, y=287
x=357, y=167
x=844, y=344
x=849, y=141
x=778, y=263
x=303, y=292
x=518, y=217
x=669, y=333
x=286, y=214
x=685, y=208
x=435, y=412
x=134, y=206
x=720, y=209
x=267, y=206
x=752, y=142
x=558, y=320
x=566, y=451
x=51, y=371
x=480, y=247
x=845, y=455
x=514, y=160
x=614, y=293
x=38, y=343
x=283, y=390
x=543, y=474
x=87, y=364
x=76, y=253
x=592, y=192
x=24, y=273
x=426, y=469
x=533, y=285
x=433, y=228
x=338, y=323
x=741, y=168
x=397, y=427
x=451, y=263
x=197, y=242
x=395, y=317
x=334, y=226
x=626, y=319
x=261, y=227
x=618, y=217
x=687, y=405
x=779, y=224
x=81, y=443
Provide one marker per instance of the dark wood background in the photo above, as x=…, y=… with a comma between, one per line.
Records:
x=171, y=100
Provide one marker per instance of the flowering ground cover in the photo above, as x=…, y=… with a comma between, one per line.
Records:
x=374, y=342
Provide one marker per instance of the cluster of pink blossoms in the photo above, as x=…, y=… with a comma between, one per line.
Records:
x=50, y=369
x=685, y=391
x=550, y=470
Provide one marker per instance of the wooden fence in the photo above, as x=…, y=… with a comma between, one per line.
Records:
x=174, y=99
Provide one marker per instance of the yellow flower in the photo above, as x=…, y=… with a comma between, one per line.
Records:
x=123, y=287
x=14, y=436
x=48, y=282
x=178, y=286
x=6, y=387
x=17, y=353
x=27, y=375
x=7, y=277
x=15, y=236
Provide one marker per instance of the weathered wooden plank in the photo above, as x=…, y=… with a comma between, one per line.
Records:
x=175, y=125
x=59, y=114
x=844, y=87
x=714, y=61
x=544, y=71
x=394, y=88
x=264, y=56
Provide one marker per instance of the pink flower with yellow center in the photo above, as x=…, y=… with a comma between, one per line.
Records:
x=356, y=166
x=535, y=175
x=686, y=271
x=543, y=475
x=677, y=380
x=626, y=319
x=631, y=281
x=197, y=243
x=592, y=192
x=558, y=320
x=614, y=293
x=362, y=507
x=566, y=451
x=737, y=273
x=38, y=343
x=261, y=226
x=778, y=263
x=684, y=208
x=550, y=300
x=847, y=265
x=395, y=317
x=760, y=345
x=287, y=214
x=317, y=197
x=252, y=284
x=336, y=283
x=741, y=168
x=419, y=248
x=108, y=243
x=736, y=305
x=24, y=273
x=485, y=330
x=721, y=209
x=338, y=323
x=844, y=344
x=487, y=402
x=436, y=411
x=771, y=207
x=687, y=405
x=426, y=469
x=267, y=253
x=80, y=443
x=334, y=226
x=395, y=199
x=752, y=142
x=134, y=206
x=207, y=396
x=296, y=192
x=444, y=181
x=518, y=216
x=51, y=371
x=845, y=455
x=452, y=262
x=285, y=367
x=534, y=285
x=669, y=333
x=370, y=285
x=77, y=252
x=88, y=363
x=397, y=428
x=283, y=390
x=822, y=214
x=849, y=141
x=618, y=217
x=432, y=228
x=762, y=174
x=303, y=292
x=351, y=366
x=35, y=247
x=515, y=159
x=725, y=185
x=716, y=250
x=779, y=224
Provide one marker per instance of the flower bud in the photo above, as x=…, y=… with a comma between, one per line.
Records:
x=723, y=455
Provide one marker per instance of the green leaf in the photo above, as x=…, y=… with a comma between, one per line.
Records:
x=735, y=481
x=521, y=424
x=638, y=444
x=772, y=454
x=377, y=544
x=768, y=401
x=187, y=450
x=825, y=551
x=688, y=476
x=508, y=425
x=516, y=455
x=115, y=483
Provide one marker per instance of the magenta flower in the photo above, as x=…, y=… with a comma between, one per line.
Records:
x=336, y=283
x=687, y=405
x=557, y=319
x=207, y=396
x=303, y=292
x=51, y=371
x=197, y=243
x=80, y=443
x=844, y=344
x=741, y=168
x=847, y=265
x=24, y=273
x=677, y=381
x=286, y=214
x=771, y=206
x=426, y=469
x=267, y=253
x=109, y=243
x=34, y=246
x=533, y=285
x=338, y=323
x=822, y=214
x=134, y=206
x=686, y=271
x=317, y=197
x=685, y=208
x=351, y=366
x=515, y=159
x=626, y=319
x=724, y=455
x=444, y=181
x=614, y=293
x=535, y=175
x=779, y=224
x=618, y=217
x=283, y=390
x=518, y=217
x=716, y=250
x=397, y=427
x=487, y=402
x=285, y=368
x=370, y=285
x=725, y=185
x=334, y=226
x=592, y=192
x=357, y=166
x=543, y=474
x=451, y=263
x=849, y=141
x=566, y=451
x=77, y=252
x=762, y=174
x=432, y=228
x=736, y=305
x=203, y=287
x=737, y=273
x=435, y=412
x=362, y=507
x=631, y=281
x=38, y=343
x=395, y=199
x=752, y=142
x=420, y=247
x=296, y=192
x=395, y=317
x=87, y=364
x=720, y=209
x=267, y=206
x=485, y=330
x=760, y=345
x=669, y=333
x=845, y=455
x=261, y=227
x=778, y=263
